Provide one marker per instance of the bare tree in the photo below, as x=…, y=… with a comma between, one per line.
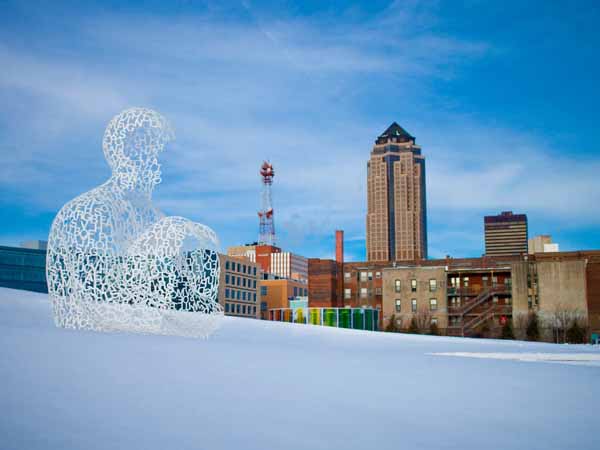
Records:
x=560, y=320
x=520, y=321
x=423, y=318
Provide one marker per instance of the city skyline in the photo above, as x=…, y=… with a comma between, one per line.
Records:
x=247, y=81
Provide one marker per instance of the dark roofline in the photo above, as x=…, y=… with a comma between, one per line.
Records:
x=505, y=216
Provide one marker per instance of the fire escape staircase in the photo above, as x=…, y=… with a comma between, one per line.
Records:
x=466, y=327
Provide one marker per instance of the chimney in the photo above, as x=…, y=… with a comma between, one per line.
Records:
x=339, y=246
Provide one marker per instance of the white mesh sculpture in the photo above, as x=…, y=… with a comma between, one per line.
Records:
x=116, y=263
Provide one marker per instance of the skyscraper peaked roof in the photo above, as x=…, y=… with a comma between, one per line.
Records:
x=395, y=130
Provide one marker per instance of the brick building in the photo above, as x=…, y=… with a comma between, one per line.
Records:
x=325, y=281
x=323, y=276
x=461, y=295
x=276, y=294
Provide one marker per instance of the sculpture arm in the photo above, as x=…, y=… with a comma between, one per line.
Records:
x=172, y=236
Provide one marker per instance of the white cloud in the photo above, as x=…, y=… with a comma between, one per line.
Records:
x=300, y=91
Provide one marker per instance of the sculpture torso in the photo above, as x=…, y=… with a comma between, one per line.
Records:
x=115, y=262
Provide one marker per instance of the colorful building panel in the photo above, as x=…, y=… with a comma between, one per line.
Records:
x=351, y=318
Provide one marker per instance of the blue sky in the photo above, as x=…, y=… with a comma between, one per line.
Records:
x=502, y=97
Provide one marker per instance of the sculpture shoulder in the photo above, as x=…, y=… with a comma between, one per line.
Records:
x=86, y=207
x=88, y=217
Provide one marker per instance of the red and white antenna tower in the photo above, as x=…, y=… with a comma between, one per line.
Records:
x=267, y=226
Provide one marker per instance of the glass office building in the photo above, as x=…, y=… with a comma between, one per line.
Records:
x=23, y=268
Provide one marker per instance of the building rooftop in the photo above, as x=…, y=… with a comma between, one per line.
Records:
x=506, y=216
x=394, y=131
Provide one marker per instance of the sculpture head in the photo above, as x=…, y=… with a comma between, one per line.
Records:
x=132, y=143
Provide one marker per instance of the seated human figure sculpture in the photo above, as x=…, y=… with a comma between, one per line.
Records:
x=116, y=263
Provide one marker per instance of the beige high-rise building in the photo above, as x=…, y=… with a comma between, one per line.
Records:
x=396, y=198
x=542, y=244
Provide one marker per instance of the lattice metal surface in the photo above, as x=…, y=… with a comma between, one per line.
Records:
x=116, y=263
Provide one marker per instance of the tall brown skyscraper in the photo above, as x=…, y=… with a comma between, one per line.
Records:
x=505, y=234
x=396, y=204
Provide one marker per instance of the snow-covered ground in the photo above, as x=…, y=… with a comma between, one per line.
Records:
x=266, y=385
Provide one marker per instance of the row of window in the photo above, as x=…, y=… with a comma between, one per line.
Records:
x=455, y=302
x=413, y=305
x=236, y=308
x=434, y=321
x=15, y=259
x=239, y=267
x=235, y=294
x=364, y=276
x=455, y=282
x=413, y=285
x=298, y=291
x=240, y=281
x=22, y=275
x=363, y=292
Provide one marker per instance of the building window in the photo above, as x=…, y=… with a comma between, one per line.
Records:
x=398, y=305
x=529, y=302
x=433, y=304
x=227, y=278
x=237, y=308
x=347, y=293
x=263, y=290
x=377, y=291
x=239, y=267
x=254, y=284
x=244, y=282
x=254, y=296
x=347, y=275
x=466, y=282
x=363, y=276
x=226, y=307
x=413, y=285
x=434, y=321
x=227, y=293
x=254, y=271
x=263, y=306
x=243, y=309
x=484, y=281
x=370, y=276
x=243, y=295
x=363, y=292
x=455, y=282
x=378, y=275
x=237, y=294
x=397, y=285
x=295, y=291
x=226, y=265
x=494, y=281
x=432, y=285
x=413, y=305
